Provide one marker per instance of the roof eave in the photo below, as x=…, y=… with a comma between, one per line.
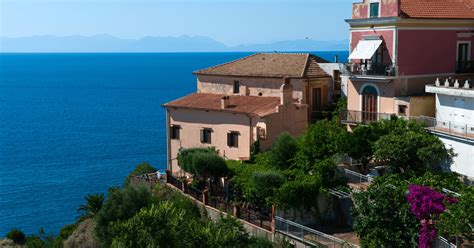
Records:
x=259, y=76
x=214, y=110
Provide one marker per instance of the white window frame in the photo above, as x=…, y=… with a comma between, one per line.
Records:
x=468, y=49
x=368, y=7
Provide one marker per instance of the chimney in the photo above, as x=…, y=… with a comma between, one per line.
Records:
x=336, y=59
x=286, y=92
x=225, y=102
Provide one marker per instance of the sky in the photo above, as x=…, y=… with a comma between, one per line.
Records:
x=228, y=21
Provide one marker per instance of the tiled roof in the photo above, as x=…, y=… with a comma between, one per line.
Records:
x=444, y=9
x=295, y=65
x=256, y=105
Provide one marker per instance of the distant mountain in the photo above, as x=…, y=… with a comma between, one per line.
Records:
x=108, y=43
x=297, y=45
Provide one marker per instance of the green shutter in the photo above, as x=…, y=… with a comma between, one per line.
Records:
x=374, y=9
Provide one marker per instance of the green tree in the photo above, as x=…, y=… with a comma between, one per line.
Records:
x=458, y=220
x=93, y=205
x=265, y=186
x=121, y=205
x=185, y=157
x=382, y=216
x=208, y=165
x=321, y=140
x=359, y=144
x=299, y=192
x=412, y=151
x=156, y=226
x=283, y=151
x=143, y=168
x=17, y=236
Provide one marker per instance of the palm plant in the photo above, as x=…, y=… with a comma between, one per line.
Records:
x=93, y=205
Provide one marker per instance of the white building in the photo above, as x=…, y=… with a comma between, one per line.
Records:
x=454, y=123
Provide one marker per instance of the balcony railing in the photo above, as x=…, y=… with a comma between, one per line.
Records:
x=452, y=128
x=361, y=117
x=308, y=235
x=464, y=66
x=369, y=69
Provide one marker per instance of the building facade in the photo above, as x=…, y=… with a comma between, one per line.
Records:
x=454, y=123
x=256, y=97
x=399, y=46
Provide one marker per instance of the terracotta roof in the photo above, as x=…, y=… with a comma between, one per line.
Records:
x=444, y=9
x=256, y=105
x=295, y=65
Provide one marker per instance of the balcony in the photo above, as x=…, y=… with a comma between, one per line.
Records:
x=360, y=117
x=455, y=129
x=464, y=66
x=460, y=130
x=368, y=69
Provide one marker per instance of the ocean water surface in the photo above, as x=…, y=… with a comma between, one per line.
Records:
x=74, y=124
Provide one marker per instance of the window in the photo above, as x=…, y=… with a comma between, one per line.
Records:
x=206, y=135
x=233, y=139
x=463, y=64
x=236, y=87
x=174, y=132
x=402, y=109
x=317, y=99
x=374, y=10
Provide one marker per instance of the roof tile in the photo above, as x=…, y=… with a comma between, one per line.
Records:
x=440, y=9
x=257, y=105
x=296, y=65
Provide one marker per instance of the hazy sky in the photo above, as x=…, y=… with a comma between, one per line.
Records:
x=229, y=21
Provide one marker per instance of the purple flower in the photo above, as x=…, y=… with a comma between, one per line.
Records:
x=424, y=204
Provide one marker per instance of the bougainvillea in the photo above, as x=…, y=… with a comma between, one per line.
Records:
x=427, y=204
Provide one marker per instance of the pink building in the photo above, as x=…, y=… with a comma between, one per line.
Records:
x=256, y=97
x=399, y=46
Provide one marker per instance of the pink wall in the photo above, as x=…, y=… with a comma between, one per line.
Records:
x=387, y=36
x=428, y=51
x=388, y=8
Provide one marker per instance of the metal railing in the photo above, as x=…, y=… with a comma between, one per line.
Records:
x=357, y=178
x=369, y=69
x=362, y=117
x=441, y=242
x=464, y=66
x=447, y=127
x=308, y=235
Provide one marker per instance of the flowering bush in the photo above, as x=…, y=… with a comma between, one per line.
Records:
x=426, y=204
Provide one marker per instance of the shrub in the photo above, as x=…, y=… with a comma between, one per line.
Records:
x=17, y=236
x=412, y=151
x=143, y=168
x=283, y=151
x=157, y=226
x=185, y=157
x=265, y=186
x=93, y=205
x=163, y=193
x=122, y=204
x=208, y=165
x=320, y=141
x=67, y=230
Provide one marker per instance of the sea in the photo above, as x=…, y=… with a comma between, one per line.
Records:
x=78, y=123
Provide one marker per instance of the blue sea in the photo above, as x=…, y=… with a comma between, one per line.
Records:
x=74, y=124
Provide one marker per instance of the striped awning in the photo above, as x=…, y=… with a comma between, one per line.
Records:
x=365, y=49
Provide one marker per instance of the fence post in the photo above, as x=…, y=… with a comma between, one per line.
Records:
x=272, y=225
x=235, y=211
x=205, y=197
x=184, y=187
x=168, y=176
